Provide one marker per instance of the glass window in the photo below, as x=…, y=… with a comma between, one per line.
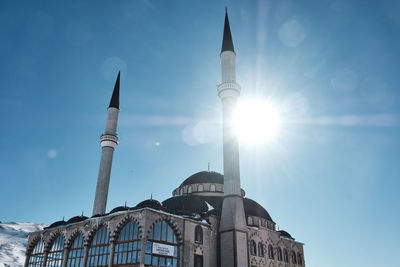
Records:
x=99, y=248
x=294, y=257
x=279, y=254
x=36, y=257
x=250, y=220
x=198, y=234
x=128, y=245
x=285, y=255
x=260, y=249
x=212, y=187
x=299, y=259
x=270, y=252
x=76, y=252
x=190, y=189
x=200, y=188
x=253, y=249
x=161, y=233
x=56, y=253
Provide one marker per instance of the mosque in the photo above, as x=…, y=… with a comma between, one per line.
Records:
x=208, y=221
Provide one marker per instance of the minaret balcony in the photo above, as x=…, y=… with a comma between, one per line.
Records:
x=229, y=89
x=109, y=140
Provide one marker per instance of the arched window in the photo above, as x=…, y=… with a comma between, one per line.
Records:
x=36, y=258
x=181, y=191
x=279, y=254
x=200, y=188
x=212, y=187
x=128, y=245
x=56, y=253
x=285, y=255
x=260, y=249
x=253, y=248
x=299, y=258
x=198, y=234
x=161, y=246
x=270, y=252
x=76, y=252
x=294, y=257
x=99, y=248
x=190, y=189
x=249, y=220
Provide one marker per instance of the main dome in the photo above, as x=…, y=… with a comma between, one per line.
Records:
x=204, y=177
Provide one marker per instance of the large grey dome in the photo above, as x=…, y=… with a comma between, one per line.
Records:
x=190, y=203
x=204, y=177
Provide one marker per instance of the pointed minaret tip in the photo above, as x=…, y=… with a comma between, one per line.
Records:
x=114, y=103
x=227, y=43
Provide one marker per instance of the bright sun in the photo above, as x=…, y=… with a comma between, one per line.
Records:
x=256, y=121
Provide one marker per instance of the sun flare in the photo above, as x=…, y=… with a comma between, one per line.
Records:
x=256, y=121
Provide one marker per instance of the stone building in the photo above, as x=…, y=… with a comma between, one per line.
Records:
x=208, y=221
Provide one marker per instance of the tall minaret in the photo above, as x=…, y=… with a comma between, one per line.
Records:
x=108, y=141
x=232, y=227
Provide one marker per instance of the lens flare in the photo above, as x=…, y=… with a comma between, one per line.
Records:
x=256, y=121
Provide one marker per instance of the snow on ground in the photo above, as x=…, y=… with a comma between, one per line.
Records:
x=13, y=240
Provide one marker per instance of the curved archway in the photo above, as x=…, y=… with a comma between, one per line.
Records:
x=56, y=253
x=270, y=252
x=285, y=255
x=212, y=188
x=279, y=252
x=161, y=246
x=76, y=252
x=253, y=248
x=128, y=245
x=299, y=258
x=200, y=188
x=37, y=255
x=260, y=249
x=99, y=248
x=294, y=257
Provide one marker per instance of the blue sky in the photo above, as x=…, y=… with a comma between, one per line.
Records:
x=330, y=178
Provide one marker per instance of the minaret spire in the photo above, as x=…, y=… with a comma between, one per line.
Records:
x=108, y=140
x=114, y=103
x=232, y=227
x=227, y=43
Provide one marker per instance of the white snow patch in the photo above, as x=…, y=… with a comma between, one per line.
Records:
x=13, y=241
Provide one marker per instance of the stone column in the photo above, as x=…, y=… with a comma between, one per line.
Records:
x=65, y=259
x=27, y=255
x=112, y=252
x=85, y=256
x=46, y=254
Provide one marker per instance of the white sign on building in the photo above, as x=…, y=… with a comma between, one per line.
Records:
x=163, y=249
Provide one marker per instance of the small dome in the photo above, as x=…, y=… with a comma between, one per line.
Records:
x=120, y=208
x=204, y=177
x=150, y=203
x=77, y=219
x=189, y=203
x=58, y=223
x=285, y=234
x=252, y=208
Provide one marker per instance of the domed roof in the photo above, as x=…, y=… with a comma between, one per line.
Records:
x=120, y=208
x=205, y=177
x=252, y=208
x=77, y=219
x=150, y=203
x=188, y=203
x=58, y=223
x=285, y=234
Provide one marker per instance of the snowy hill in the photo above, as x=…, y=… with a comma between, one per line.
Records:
x=13, y=240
